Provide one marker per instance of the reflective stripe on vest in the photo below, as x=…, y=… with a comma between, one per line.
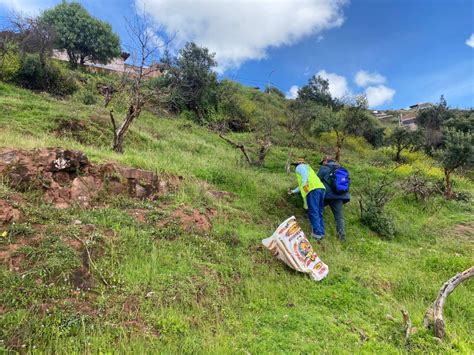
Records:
x=313, y=183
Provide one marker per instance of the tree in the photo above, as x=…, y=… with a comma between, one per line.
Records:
x=458, y=151
x=402, y=139
x=431, y=121
x=350, y=120
x=233, y=104
x=192, y=81
x=463, y=120
x=81, y=35
x=317, y=90
x=274, y=90
x=34, y=35
x=140, y=89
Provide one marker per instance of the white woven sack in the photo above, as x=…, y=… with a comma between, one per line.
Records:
x=290, y=245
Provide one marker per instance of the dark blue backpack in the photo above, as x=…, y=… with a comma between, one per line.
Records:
x=339, y=180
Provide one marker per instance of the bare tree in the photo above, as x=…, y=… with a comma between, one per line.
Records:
x=146, y=46
x=33, y=36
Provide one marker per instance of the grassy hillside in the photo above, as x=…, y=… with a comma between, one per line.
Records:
x=174, y=290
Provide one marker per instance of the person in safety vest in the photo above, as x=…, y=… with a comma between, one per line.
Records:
x=312, y=191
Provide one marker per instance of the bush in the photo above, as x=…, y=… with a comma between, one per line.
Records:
x=45, y=76
x=9, y=62
x=374, y=217
x=87, y=97
x=373, y=198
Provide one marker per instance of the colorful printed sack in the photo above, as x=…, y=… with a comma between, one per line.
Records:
x=289, y=244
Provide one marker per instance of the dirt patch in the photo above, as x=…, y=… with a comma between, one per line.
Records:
x=9, y=214
x=464, y=230
x=139, y=214
x=192, y=220
x=222, y=195
x=67, y=177
x=8, y=255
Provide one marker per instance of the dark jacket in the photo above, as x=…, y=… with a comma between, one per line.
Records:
x=323, y=174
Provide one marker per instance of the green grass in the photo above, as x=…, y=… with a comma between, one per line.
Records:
x=174, y=291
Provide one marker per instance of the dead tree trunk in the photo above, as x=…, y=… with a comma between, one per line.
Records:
x=448, y=193
x=437, y=310
x=119, y=134
x=408, y=325
x=339, y=142
x=288, y=162
x=262, y=152
x=239, y=146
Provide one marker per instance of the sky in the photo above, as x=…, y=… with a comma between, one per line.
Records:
x=397, y=52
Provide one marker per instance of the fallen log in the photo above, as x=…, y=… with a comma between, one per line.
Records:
x=436, y=311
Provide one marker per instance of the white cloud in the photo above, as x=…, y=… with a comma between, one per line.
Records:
x=239, y=30
x=378, y=95
x=364, y=78
x=337, y=84
x=293, y=92
x=470, y=41
x=26, y=7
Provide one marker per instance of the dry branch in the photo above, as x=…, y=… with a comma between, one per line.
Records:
x=239, y=146
x=408, y=324
x=438, y=305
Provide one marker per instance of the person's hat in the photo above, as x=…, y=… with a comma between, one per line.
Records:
x=298, y=162
x=325, y=158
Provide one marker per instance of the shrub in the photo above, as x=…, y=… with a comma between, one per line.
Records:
x=35, y=75
x=372, y=200
x=87, y=97
x=373, y=216
x=9, y=62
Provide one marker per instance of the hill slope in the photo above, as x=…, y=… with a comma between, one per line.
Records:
x=158, y=285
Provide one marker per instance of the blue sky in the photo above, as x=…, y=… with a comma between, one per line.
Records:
x=398, y=52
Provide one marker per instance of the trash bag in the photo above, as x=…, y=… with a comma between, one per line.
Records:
x=289, y=244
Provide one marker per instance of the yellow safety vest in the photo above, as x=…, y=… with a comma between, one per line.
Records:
x=313, y=183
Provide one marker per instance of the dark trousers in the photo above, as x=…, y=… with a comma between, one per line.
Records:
x=338, y=212
x=315, y=200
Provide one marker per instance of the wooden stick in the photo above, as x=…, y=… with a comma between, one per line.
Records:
x=239, y=146
x=444, y=292
x=408, y=324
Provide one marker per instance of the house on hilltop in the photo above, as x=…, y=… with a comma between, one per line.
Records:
x=381, y=115
x=408, y=121
x=116, y=65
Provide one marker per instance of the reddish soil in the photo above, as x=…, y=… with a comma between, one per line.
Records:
x=67, y=177
x=9, y=214
x=192, y=220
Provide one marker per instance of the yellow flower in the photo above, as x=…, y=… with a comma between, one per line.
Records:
x=4, y=234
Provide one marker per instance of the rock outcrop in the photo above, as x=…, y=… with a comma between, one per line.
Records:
x=67, y=177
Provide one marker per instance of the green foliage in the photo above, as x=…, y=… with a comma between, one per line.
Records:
x=10, y=61
x=463, y=121
x=81, y=35
x=192, y=81
x=235, y=106
x=458, y=151
x=50, y=77
x=172, y=291
x=373, y=197
x=402, y=138
x=374, y=217
x=274, y=91
x=431, y=121
x=88, y=97
x=317, y=91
